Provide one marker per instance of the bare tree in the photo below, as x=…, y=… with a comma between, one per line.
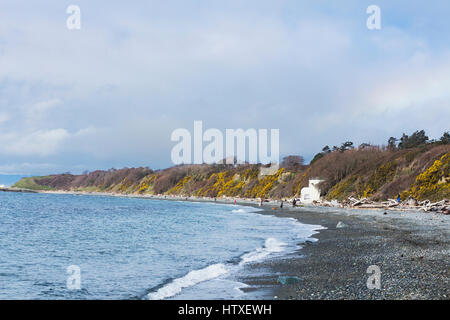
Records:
x=292, y=162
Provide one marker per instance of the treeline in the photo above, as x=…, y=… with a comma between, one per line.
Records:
x=417, y=139
x=412, y=166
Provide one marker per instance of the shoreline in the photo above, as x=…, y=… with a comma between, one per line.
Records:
x=227, y=200
x=361, y=203
x=412, y=251
x=411, y=248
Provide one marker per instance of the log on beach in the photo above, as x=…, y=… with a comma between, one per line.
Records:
x=442, y=206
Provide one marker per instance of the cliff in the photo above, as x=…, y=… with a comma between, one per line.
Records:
x=374, y=172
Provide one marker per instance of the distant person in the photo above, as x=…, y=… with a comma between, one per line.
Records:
x=281, y=205
x=261, y=202
x=234, y=201
x=398, y=198
x=294, y=202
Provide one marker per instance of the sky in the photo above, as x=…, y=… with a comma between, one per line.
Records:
x=111, y=93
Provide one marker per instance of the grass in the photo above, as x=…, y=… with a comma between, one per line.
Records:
x=30, y=184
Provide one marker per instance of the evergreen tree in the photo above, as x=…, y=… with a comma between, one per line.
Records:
x=445, y=139
x=392, y=143
x=418, y=138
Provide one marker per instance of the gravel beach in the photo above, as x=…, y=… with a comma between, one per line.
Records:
x=412, y=250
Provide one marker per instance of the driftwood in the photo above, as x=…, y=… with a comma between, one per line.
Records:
x=390, y=203
x=360, y=202
x=333, y=203
x=442, y=206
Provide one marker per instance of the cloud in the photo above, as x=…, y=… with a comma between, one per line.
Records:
x=39, y=143
x=414, y=85
x=111, y=93
x=3, y=117
x=44, y=106
x=38, y=168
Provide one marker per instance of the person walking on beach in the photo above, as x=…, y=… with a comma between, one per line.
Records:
x=261, y=202
x=281, y=205
x=294, y=202
x=398, y=198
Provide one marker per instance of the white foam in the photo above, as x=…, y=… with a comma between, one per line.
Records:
x=212, y=272
x=311, y=239
x=190, y=279
x=271, y=245
x=246, y=210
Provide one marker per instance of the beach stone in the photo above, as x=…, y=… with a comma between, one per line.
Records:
x=340, y=224
x=288, y=280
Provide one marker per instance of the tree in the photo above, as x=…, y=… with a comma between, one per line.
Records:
x=346, y=146
x=292, y=162
x=317, y=157
x=392, y=143
x=326, y=149
x=403, y=141
x=418, y=138
x=445, y=139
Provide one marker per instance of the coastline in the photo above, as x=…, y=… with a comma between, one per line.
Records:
x=411, y=248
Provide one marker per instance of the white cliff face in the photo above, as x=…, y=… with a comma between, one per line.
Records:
x=311, y=193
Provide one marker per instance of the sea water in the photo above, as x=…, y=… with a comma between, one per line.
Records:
x=133, y=248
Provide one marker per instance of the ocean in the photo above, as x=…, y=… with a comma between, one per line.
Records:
x=8, y=180
x=102, y=247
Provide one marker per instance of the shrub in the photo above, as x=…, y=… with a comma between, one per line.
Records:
x=433, y=183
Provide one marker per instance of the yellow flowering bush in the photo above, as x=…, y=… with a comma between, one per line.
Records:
x=180, y=186
x=264, y=185
x=433, y=183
